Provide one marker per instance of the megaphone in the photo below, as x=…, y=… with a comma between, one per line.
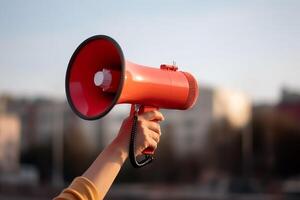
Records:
x=98, y=77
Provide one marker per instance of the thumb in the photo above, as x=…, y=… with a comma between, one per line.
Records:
x=153, y=116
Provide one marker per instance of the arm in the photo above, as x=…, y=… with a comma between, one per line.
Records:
x=106, y=167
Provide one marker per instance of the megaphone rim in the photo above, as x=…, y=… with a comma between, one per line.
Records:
x=121, y=83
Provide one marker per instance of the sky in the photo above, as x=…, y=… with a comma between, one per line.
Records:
x=250, y=46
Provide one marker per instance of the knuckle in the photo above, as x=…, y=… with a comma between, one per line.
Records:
x=157, y=126
x=144, y=130
x=154, y=125
x=145, y=144
x=152, y=112
x=142, y=124
x=147, y=114
x=159, y=132
x=147, y=138
x=158, y=139
x=156, y=112
x=140, y=121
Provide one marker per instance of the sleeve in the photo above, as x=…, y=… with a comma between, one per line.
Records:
x=80, y=189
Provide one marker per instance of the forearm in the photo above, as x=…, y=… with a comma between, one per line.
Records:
x=106, y=167
x=98, y=178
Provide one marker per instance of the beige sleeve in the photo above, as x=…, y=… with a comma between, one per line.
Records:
x=80, y=189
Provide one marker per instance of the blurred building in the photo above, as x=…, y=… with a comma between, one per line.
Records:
x=50, y=129
x=9, y=143
x=191, y=128
x=42, y=117
x=290, y=102
x=277, y=136
x=23, y=108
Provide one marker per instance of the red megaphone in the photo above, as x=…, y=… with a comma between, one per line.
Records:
x=98, y=77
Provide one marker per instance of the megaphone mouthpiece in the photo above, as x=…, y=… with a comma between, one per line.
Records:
x=99, y=79
x=104, y=79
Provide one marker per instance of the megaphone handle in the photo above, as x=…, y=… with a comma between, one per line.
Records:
x=147, y=152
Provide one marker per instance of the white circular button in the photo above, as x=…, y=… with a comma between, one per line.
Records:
x=99, y=78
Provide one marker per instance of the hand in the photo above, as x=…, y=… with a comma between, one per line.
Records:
x=105, y=168
x=148, y=132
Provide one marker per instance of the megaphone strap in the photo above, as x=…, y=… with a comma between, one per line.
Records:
x=148, y=158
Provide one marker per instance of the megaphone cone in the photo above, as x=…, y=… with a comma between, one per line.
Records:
x=98, y=77
x=93, y=55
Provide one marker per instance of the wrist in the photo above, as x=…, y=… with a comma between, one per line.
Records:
x=120, y=147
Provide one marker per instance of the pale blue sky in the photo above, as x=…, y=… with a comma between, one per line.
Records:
x=253, y=46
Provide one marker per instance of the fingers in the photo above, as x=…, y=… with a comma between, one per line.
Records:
x=154, y=126
x=146, y=139
x=149, y=131
x=150, y=128
x=152, y=116
x=154, y=136
x=151, y=139
x=152, y=144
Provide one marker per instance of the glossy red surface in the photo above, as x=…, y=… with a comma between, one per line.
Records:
x=157, y=87
x=163, y=87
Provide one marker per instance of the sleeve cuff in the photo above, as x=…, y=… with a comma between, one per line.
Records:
x=80, y=189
